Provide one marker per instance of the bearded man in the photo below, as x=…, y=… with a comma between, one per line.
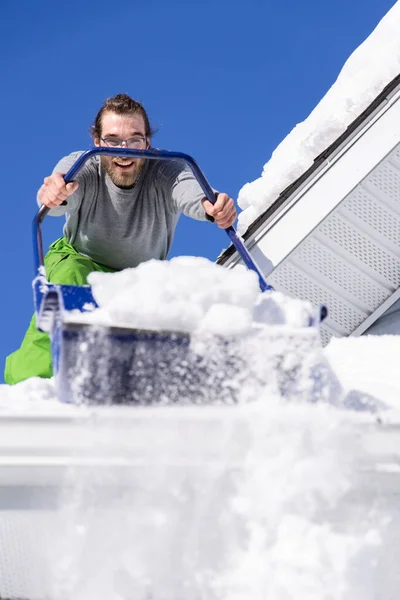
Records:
x=119, y=212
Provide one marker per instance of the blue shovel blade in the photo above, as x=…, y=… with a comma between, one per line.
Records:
x=126, y=366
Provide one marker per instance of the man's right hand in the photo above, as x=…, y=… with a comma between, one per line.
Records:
x=54, y=190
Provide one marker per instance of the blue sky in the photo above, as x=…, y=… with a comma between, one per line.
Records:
x=224, y=81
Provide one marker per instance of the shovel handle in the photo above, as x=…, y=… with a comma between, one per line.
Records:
x=151, y=155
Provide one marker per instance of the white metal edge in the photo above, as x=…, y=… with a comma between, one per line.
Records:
x=370, y=320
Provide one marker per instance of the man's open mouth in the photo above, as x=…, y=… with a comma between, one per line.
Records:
x=124, y=164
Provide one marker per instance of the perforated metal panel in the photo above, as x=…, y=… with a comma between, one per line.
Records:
x=384, y=181
x=343, y=316
x=323, y=261
x=361, y=250
x=326, y=335
x=379, y=218
x=351, y=261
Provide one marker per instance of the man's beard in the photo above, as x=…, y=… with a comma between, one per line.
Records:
x=124, y=179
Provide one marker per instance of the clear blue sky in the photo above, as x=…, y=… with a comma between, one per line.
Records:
x=224, y=81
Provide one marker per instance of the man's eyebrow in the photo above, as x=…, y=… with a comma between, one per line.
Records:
x=135, y=134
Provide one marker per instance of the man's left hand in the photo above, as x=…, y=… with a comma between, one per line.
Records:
x=223, y=211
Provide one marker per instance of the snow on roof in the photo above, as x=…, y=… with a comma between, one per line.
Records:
x=368, y=70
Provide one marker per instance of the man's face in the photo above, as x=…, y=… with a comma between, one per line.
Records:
x=123, y=172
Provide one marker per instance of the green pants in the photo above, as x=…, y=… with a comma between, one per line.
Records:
x=33, y=359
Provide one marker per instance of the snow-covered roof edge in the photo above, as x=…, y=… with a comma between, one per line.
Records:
x=318, y=161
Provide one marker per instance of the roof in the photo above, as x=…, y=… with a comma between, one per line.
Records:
x=318, y=161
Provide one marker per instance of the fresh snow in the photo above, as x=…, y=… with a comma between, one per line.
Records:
x=368, y=364
x=368, y=70
x=189, y=294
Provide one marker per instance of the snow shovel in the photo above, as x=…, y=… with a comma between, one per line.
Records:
x=131, y=366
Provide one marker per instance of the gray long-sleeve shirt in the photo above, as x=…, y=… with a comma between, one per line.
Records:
x=121, y=228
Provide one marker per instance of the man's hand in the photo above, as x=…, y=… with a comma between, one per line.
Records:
x=223, y=211
x=54, y=190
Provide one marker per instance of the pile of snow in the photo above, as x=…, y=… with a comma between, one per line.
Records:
x=368, y=364
x=241, y=340
x=243, y=504
x=371, y=66
x=192, y=295
x=34, y=394
x=301, y=467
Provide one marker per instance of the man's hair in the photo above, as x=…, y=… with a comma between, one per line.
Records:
x=121, y=104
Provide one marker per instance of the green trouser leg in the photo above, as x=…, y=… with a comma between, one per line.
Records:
x=64, y=265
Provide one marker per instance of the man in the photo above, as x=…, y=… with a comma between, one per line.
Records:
x=119, y=213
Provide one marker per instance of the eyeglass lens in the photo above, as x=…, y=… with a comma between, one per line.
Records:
x=134, y=142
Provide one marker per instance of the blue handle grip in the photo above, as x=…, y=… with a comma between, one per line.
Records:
x=152, y=155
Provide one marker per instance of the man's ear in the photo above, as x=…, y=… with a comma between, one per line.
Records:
x=96, y=141
x=148, y=143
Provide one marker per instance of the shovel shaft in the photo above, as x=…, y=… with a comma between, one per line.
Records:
x=151, y=155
